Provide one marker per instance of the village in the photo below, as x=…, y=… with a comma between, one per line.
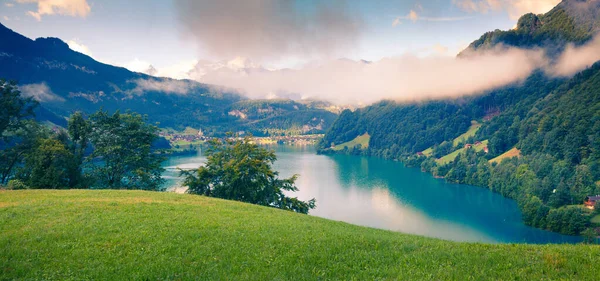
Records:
x=191, y=139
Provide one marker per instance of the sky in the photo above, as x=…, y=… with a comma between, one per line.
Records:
x=299, y=47
x=121, y=32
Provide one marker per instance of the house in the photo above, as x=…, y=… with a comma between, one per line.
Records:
x=486, y=150
x=468, y=145
x=477, y=143
x=590, y=201
x=419, y=153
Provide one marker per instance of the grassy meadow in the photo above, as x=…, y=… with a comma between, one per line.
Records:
x=135, y=235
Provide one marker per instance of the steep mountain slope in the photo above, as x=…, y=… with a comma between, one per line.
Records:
x=65, y=81
x=571, y=21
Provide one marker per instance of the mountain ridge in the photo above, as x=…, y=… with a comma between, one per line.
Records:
x=65, y=81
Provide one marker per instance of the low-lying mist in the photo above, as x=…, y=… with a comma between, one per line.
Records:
x=406, y=78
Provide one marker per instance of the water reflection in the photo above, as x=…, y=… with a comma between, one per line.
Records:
x=384, y=194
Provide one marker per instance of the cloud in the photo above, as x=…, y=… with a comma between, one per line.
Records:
x=440, y=49
x=9, y=5
x=575, y=59
x=515, y=8
x=414, y=17
x=5, y=18
x=73, y=8
x=40, y=92
x=406, y=78
x=269, y=29
x=137, y=65
x=168, y=86
x=178, y=70
x=75, y=45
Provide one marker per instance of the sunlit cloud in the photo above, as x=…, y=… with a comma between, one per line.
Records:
x=405, y=78
x=77, y=46
x=73, y=8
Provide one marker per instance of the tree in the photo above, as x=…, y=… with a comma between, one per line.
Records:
x=47, y=166
x=79, y=133
x=17, y=133
x=14, y=107
x=241, y=170
x=123, y=152
x=20, y=142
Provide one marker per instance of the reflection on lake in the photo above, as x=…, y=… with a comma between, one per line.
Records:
x=384, y=194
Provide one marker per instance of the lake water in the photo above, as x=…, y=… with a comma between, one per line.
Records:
x=384, y=194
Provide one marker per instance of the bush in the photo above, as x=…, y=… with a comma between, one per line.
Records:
x=16, y=185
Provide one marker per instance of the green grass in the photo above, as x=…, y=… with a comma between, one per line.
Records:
x=514, y=152
x=450, y=157
x=136, y=235
x=362, y=140
x=471, y=132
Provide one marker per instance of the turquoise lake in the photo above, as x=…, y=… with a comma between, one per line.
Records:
x=384, y=194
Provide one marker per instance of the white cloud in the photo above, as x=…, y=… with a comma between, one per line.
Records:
x=405, y=78
x=40, y=92
x=5, y=18
x=138, y=65
x=9, y=5
x=73, y=8
x=515, y=8
x=575, y=59
x=77, y=46
x=169, y=86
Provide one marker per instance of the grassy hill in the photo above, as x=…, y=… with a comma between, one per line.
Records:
x=115, y=235
x=513, y=152
x=470, y=133
x=450, y=157
x=362, y=140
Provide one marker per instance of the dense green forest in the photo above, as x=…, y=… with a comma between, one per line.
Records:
x=554, y=124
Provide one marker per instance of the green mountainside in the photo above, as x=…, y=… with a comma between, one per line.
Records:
x=571, y=21
x=553, y=122
x=136, y=235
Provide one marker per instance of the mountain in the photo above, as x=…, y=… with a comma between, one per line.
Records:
x=65, y=81
x=570, y=22
x=550, y=124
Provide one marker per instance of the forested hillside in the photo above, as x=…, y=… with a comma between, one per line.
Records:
x=549, y=126
x=281, y=116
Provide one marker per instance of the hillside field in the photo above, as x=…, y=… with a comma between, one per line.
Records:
x=136, y=235
x=362, y=140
